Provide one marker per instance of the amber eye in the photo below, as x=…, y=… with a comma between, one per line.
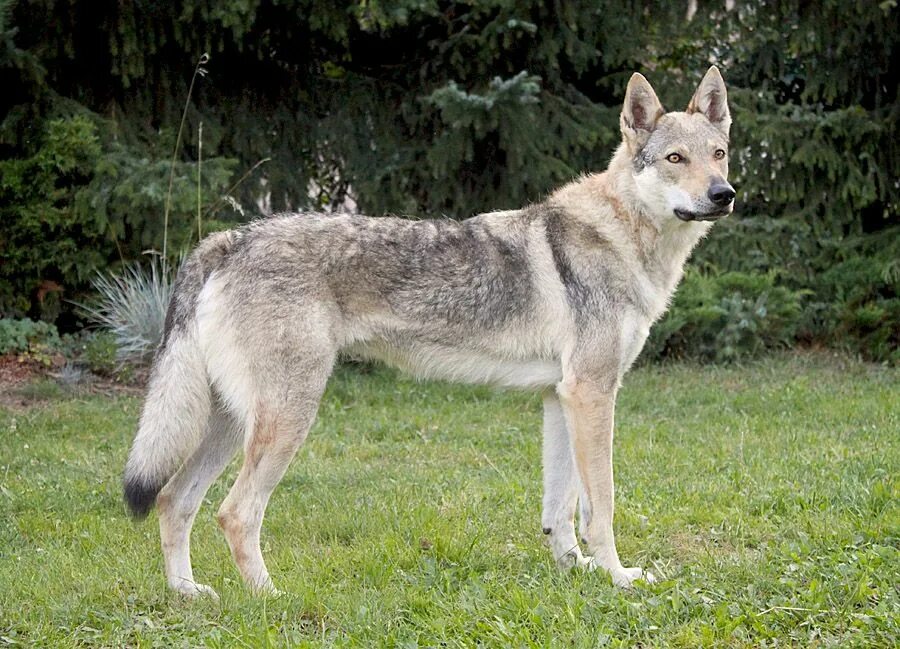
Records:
x=719, y=154
x=674, y=158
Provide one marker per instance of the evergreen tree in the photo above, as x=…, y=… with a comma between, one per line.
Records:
x=423, y=107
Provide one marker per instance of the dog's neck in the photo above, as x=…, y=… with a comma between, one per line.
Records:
x=664, y=241
x=661, y=241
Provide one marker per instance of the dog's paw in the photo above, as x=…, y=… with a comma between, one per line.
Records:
x=624, y=577
x=573, y=559
x=271, y=592
x=265, y=588
x=193, y=590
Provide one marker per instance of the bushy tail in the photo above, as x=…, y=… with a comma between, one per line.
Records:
x=172, y=422
x=177, y=406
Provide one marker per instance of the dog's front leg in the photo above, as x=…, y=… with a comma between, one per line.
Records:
x=589, y=406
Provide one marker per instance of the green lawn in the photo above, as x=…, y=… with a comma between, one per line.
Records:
x=764, y=497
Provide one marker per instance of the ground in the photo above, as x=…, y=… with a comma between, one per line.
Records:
x=764, y=497
x=26, y=381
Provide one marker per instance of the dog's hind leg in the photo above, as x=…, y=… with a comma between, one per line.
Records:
x=180, y=499
x=560, y=487
x=282, y=417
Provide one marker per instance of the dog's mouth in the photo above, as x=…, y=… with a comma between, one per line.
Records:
x=715, y=215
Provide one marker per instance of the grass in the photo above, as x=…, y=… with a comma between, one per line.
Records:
x=765, y=497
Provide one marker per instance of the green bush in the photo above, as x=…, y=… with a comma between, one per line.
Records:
x=41, y=239
x=23, y=336
x=490, y=105
x=727, y=317
x=100, y=353
x=862, y=296
x=79, y=202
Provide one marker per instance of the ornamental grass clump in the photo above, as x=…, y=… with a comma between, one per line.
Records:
x=131, y=305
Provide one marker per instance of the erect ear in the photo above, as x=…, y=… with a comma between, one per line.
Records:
x=711, y=100
x=640, y=112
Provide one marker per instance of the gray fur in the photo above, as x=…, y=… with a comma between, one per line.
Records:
x=587, y=263
x=558, y=297
x=190, y=279
x=461, y=275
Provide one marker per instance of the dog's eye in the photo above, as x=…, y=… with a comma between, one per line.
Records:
x=719, y=154
x=674, y=158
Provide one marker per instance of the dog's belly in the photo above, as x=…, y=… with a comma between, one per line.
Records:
x=462, y=365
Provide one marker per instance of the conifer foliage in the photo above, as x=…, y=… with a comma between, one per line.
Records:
x=425, y=107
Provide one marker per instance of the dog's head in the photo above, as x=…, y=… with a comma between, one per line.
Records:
x=680, y=160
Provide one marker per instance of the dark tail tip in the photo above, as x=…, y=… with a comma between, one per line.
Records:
x=140, y=497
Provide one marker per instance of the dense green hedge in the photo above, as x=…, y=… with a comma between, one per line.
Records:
x=81, y=202
x=425, y=107
x=727, y=317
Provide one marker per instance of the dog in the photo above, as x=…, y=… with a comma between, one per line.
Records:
x=557, y=297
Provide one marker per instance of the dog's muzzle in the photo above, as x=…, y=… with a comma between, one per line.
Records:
x=721, y=195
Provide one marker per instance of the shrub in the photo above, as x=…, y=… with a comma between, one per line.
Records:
x=131, y=307
x=726, y=318
x=42, y=240
x=79, y=200
x=862, y=312
x=100, y=353
x=25, y=335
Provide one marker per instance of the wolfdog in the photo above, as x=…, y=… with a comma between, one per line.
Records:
x=556, y=297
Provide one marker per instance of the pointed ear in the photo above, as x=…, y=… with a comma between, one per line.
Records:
x=640, y=111
x=711, y=100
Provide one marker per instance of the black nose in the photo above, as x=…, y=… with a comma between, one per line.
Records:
x=721, y=194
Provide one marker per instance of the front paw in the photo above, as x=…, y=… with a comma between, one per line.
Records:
x=193, y=590
x=573, y=559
